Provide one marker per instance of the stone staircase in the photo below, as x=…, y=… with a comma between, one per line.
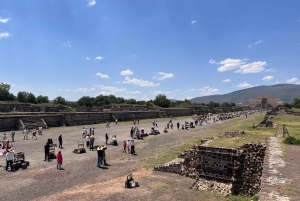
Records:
x=33, y=122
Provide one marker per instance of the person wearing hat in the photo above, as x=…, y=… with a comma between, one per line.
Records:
x=9, y=159
x=106, y=137
x=92, y=140
x=100, y=156
x=60, y=140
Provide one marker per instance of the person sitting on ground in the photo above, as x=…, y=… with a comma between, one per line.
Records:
x=165, y=130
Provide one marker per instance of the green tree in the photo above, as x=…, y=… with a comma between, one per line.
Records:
x=42, y=99
x=162, y=101
x=59, y=100
x=31, y=98
x=296, y=103
x=131, y=101
x=4, y=91
x=85, y=101
x=22, y=96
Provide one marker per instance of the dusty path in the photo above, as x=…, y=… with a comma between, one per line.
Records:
x=81, y=179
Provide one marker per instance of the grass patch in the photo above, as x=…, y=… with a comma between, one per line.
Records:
x=217, y=197
x=292, y=141
x=290, y=189
x=292, y=124
x=252, y=135
x=161, y=185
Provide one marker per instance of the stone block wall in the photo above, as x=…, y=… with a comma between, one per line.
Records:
x=229, y=171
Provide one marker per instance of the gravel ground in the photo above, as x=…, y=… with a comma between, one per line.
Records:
x=81, y=179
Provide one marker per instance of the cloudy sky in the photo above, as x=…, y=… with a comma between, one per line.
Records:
x=142, y=48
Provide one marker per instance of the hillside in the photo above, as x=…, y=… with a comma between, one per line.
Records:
x=284, y=92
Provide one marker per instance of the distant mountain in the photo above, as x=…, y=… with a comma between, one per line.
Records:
x=284, y=92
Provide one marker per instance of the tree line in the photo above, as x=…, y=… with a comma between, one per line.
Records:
x=160, y=100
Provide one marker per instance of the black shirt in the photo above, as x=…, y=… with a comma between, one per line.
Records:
x=100, y=153
x=47, y=148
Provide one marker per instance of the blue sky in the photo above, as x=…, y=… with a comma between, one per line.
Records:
x=142, y=48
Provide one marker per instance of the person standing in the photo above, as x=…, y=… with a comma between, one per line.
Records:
x=125, y=145
x=87, y=139
x=106, y=138
x=59, y=160
x=92, y=140
x=132, y=147
x=178, y=125
x=104, y=155
x=47, y=149
x=60, y=140
x=34, y=134
x=25, y=132
x=116, y=121
x=9, y=159
x=93, y=131
x=12, y=134
x=128, y=146
x=100, y=156
x=138, y=121
x=4, y=137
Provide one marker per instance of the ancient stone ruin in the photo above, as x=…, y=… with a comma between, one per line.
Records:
x=222, y=170
x=263, y=103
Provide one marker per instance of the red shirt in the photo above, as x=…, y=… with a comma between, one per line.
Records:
x=59, y=158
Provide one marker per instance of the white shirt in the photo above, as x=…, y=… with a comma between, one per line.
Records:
x=25, y=132
x=10, y=156
x=87, y=138
x=131, y=143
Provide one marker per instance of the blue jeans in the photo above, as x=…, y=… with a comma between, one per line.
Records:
x=99, y=161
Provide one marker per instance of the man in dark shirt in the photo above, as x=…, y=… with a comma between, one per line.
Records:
x=100, y=156
x=92, y=140
x=46, y=147
x=60, y=140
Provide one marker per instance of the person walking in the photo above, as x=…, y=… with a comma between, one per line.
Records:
x=4, y=137
x=59, y=159
x=92, y=140
x=12, y=134
x=60, y=140
x=106, y=138
x=100, y=156
x=47, y=150
x=34, y=134
x=9, y=159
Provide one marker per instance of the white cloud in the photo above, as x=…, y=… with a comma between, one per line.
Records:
x=91, y=2
x=256, y=43
x=244, y=85
x=138, y=82
x=254, y=67
x=102, y=75
x=84, y=89
x=177, y=90
x=226, y=80
x=68, y=43
x=59, y=90
x=126, y=72
x=67, y=90
x=164, y=76
x=270, y=70
x=277, y=82
x=211, y=61
x=5, y=35
x=267, y=78
x=189, y=98
x=4, y=20
x=231, y=64
x=160, y=92
x=110, y=89
x=133, y=92
x=194, y=21
x=104, y=93
x=292, y=80
x=208, y=91
x=145, y=98
x=87, y=58
x=99, y=58
x=190, y=90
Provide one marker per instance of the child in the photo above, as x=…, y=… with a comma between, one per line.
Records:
x=124, y=144
x=59, y=160
x=128, y=146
